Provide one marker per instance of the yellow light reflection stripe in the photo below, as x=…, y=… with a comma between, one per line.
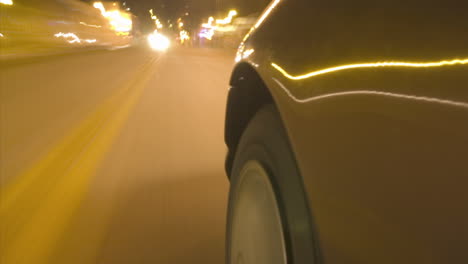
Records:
x=371, y=65
x=267, y=13
x=262, y=18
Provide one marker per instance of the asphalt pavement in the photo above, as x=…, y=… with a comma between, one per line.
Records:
x=114, y=157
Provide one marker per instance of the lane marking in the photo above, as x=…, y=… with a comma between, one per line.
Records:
x=33, y=224
x=14, y=188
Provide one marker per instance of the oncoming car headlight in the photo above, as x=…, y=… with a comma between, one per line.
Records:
x=158, y=42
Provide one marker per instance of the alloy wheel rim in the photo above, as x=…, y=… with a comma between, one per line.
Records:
x=256, y=227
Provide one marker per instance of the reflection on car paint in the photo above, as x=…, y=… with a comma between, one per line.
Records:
x=370, y=65
x=262, y=18
x=370, y=92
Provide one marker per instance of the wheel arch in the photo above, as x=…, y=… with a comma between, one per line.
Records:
x=248, y=93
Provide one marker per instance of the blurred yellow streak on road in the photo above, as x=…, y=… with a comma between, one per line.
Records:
x=36, y=207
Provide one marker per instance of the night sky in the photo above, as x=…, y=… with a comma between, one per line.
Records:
x=202, y=7
x=199, y=10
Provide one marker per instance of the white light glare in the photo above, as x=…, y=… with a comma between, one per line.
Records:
x=158, y=42
x=6, y=2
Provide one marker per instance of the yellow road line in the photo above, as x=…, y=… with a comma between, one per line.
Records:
x=78, y=135
x=35, y=209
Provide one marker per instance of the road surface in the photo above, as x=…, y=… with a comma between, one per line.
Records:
x=114, y=157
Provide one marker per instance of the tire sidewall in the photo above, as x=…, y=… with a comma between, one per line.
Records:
x=266, y=142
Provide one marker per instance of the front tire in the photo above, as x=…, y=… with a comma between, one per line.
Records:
x=256, y=231
x=268, y=217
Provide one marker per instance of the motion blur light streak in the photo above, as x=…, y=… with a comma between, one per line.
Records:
x=209, y=24
x=1, y=35
x=262, y=18
x=369, y=92
x=6, y=2
x=228, y=19
x=267, y=13
x=208, y=28
x=372, y=65
x=73, y=38
x=100, y=6
x=184, y=36
x=158, y=24
x=158, y=42
x=119, y=21
x=156, y=20
x=88, y=25
x=207, y=34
